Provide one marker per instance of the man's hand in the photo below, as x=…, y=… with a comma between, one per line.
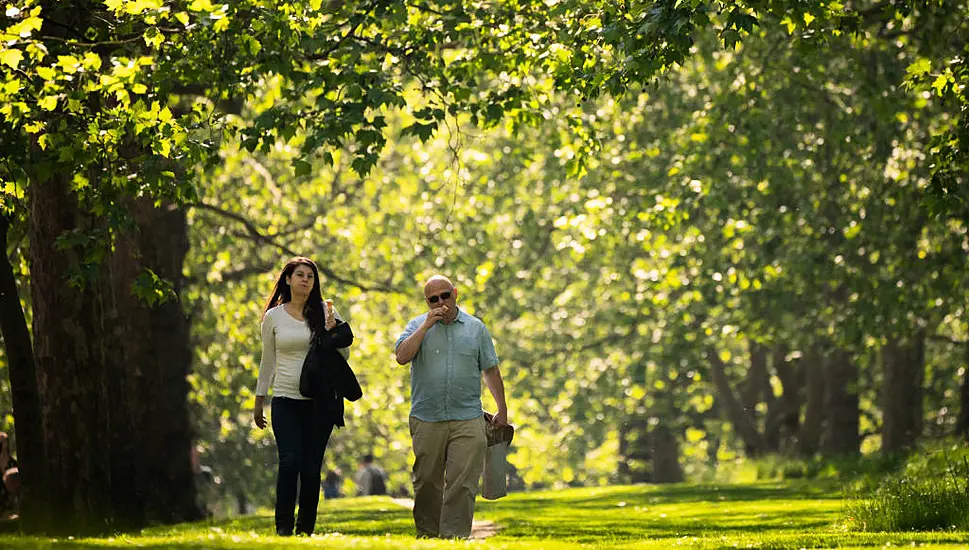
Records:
x=434, y=316
x=409, y=347
x=500, y=418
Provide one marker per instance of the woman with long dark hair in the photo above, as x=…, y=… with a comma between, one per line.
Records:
x=294, y=314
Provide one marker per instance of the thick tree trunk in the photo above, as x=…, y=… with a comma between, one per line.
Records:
x=81, y=417
x=842, y=407
x=111, y=375
x=810, y=435
x=902, y=391
x=23, y=384
x=157, y=354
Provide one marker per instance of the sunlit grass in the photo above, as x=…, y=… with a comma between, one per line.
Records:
x=761, y=515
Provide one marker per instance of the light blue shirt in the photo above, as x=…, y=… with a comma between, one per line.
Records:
x=445, y=375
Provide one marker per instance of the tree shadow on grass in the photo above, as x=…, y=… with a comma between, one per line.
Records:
x=644, y=495
x=660, y=512
x=380, y=517
x=579, y=528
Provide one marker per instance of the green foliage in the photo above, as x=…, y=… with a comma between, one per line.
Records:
x=152, y=289
x=601, y=290
x=854, y=471
x=910, y=503
x=931, y=492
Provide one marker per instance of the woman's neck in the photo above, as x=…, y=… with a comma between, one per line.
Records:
x=296, y=304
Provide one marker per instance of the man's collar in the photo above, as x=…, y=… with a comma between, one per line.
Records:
x=459, y=318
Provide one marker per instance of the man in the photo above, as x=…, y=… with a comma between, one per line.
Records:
x=10, y=487
x=449, y=351
x=370, y=478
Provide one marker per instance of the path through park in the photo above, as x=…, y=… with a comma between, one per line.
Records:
x=480, y=529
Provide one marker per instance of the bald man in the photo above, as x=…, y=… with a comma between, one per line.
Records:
x=449, y=351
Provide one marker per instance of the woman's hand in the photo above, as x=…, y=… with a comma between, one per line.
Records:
x=328, y=320
x=258, y=416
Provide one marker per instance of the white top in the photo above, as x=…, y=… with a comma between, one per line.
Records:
x=285, y=343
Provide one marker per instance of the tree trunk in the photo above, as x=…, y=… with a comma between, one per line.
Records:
x=634, y=451
x=753, y=440
x=666, y=456
x=842, y=407
x=111, y=376
x=784, y=420
x=902, y=390
x=80, y=416
x=754, y=388
x=23, y=384
x=962, y=424
x=810, y=435
x=158, y=357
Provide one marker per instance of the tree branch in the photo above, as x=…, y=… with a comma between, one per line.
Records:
x=948, y=340
x=253, y=233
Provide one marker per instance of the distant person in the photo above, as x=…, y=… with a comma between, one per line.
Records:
x=209, y=492
x=295, y=313
x=449, y=351
x=10, y=488
x=331, y=484
x=370, y=478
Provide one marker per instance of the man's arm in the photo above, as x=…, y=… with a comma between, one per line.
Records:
x=496, y=386
x=362, y=480
x=408, y=348
x=411, y=345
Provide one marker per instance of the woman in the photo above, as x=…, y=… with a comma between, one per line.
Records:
x=294, y=312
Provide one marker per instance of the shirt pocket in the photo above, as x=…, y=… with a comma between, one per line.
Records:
x=467, y=363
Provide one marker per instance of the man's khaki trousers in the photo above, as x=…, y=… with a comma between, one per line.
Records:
x=449, y=457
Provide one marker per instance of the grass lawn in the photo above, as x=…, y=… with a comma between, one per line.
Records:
x=757, y=515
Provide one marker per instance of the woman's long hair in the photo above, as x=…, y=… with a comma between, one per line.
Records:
x=313, y=310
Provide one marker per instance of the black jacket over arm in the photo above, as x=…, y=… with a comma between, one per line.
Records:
x=327, y=377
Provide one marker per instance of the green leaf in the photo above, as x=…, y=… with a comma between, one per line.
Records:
x=940, y=84
x=422, y=131
x=302, y=168
x=11, y=58
x=919, y=68
x=48, y=103
x=363, y=164
x=152, y=289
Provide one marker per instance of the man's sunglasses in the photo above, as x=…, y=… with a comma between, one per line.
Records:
x=441, y=296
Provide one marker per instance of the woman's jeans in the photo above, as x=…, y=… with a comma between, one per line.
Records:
x=301, y=437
